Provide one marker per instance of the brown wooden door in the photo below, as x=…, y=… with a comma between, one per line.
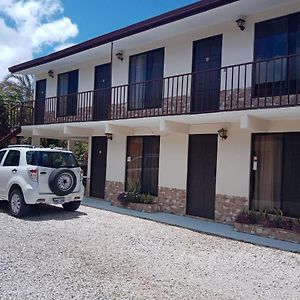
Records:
x=98, y=167
x=207, y=56
x=201, y=186
x=40, y=95
x=102, y=94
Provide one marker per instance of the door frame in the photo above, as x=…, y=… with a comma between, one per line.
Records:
x=188, y=173
x=94, y=116
x=194, y=62
x=91, y=166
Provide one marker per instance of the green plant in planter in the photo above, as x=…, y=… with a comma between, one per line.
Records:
x=133, y=186
x=147, y=199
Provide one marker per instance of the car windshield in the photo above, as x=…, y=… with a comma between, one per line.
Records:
x=51, y=159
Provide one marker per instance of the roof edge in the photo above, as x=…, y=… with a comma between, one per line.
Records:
x=163, y=19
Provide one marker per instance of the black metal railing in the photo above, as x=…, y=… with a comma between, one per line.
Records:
x=253, y=85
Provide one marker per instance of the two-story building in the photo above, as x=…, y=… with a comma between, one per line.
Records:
x=198, y=106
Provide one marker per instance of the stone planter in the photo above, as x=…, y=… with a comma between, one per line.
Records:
x=150, y=208
x=274, y=233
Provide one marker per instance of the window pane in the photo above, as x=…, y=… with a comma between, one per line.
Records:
x=150, y=165
x=12, y=158
x=134, y=164
x=267, y=176
x=2, y=153
x=146, y=79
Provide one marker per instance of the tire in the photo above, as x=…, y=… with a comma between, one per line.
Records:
x=71, y=206
x=62, y=182
x=16, y=204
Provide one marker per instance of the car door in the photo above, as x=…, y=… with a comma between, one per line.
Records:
x=2, y=188
x=9, y=168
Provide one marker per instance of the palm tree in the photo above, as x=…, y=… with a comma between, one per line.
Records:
x=19, y=86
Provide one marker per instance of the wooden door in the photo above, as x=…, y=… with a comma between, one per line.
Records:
x=98, y=167
x=102, y=94
x=207, y=55
x=40, y=95
x=201, y=184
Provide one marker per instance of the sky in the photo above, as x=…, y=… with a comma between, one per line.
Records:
x=34, y=28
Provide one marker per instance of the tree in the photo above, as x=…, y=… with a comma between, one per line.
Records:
x=18, y=87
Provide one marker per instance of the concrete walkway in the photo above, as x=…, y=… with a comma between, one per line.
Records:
x=203, y=226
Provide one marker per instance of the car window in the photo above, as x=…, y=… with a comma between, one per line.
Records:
x=2, y=153
x=32, y=158
x=12, y=159
x=57, y=159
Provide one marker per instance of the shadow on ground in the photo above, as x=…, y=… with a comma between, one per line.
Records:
x=45, y=213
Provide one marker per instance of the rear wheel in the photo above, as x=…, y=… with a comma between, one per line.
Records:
x=71, y=206
x=16, y=204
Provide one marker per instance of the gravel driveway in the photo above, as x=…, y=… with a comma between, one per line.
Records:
x=94, y=254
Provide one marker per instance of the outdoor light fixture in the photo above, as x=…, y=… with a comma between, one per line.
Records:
x=119, y=55
x=222, y=134
x=50, y=73
x=109, y=136
x=241, y=23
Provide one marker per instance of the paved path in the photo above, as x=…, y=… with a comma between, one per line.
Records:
x=209, y=227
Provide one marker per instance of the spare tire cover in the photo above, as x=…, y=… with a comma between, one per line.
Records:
x=62, y=182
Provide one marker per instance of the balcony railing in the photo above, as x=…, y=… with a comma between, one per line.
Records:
x=254, y=85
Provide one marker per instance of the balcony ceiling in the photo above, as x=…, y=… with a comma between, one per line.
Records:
x=210, y=18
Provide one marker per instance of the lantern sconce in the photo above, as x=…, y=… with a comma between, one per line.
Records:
x=222, y=134
x=120, y=55
x=109, y=136
x=241, y=23
x=51, y=74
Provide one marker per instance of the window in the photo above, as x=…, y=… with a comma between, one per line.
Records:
x=31, y=158
x=12, y=159
x=276, y=172
x=146, y=79
x=67, y=89
x=142, y=164
x=274, y=41
x=2, y=153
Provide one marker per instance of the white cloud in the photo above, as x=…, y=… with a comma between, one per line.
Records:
x=63, y=46
x=26, y=26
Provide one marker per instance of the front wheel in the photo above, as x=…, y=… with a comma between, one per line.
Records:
x=16, y=204
x=71, y=206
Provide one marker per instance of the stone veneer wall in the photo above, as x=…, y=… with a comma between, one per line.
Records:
x=227, y=207
x=113, y=189
x=172, y=200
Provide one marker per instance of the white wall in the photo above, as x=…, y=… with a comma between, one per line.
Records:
x=173, y=161
x=233, y=163
x=116, y=158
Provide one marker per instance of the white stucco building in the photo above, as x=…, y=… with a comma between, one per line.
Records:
x=164, y=87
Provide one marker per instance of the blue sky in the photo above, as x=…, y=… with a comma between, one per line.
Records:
x=96, y=17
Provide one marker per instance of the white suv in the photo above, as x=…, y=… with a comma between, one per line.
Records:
x=31, y=175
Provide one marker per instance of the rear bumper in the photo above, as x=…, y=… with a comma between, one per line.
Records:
x=32, y=197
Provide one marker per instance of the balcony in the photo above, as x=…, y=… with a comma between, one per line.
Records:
x=263, y=84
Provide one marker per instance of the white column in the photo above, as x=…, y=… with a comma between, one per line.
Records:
x=71, y=145
x=36, y=141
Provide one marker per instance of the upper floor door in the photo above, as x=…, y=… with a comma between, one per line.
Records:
x=102, y=94
x=40, y=95
x=207, y=56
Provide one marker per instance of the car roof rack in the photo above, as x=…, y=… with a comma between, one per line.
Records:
x=21, y=146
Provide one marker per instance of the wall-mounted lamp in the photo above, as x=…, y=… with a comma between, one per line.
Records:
x=109, y=136
x=241, y=23
x=120, y=55
x=222, y=134
x=51, y=74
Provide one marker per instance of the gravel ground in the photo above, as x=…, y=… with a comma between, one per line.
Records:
x=94, y=254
